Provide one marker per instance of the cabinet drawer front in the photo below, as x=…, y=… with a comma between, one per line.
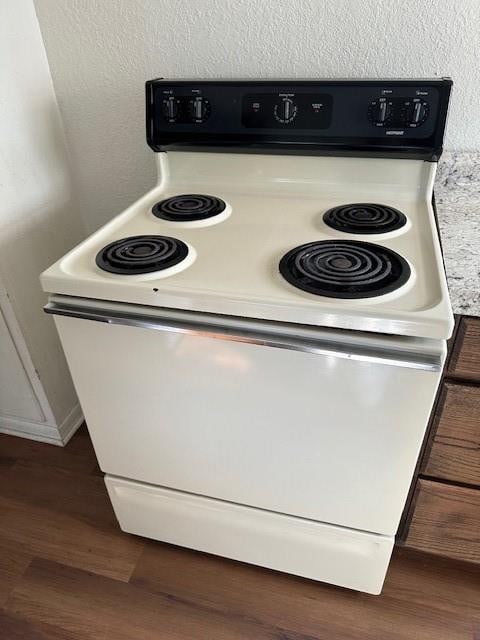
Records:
x=465, y=360
x=455, y=453
x=446, y=521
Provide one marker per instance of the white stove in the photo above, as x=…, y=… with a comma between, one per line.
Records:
x=257, y=342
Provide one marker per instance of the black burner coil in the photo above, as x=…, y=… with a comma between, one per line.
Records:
x=141, y=254
x=345, y=269
x=364, y=218
x=188, y=207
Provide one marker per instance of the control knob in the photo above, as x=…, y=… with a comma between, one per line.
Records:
x=380, y=111
x=171, y=108
x=285, y=111
x=415, y=112
x=199, y=109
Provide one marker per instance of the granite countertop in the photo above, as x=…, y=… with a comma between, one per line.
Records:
x=457, y=195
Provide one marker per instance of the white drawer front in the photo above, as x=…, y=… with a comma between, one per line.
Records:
x=331, y=554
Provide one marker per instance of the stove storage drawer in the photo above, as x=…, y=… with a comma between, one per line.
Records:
x=325, y=426
x=455, y=448
x=446, y=521
x=353, y=559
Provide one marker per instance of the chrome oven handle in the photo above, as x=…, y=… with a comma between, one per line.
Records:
x=228, y=331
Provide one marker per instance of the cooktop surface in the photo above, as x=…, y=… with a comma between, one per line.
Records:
x=335, y=241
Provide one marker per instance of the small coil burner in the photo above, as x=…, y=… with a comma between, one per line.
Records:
x=364, y=218
x=348, y=269
x=188, y=207
x=141, y=254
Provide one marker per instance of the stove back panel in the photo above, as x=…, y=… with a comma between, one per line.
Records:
x=392, y=118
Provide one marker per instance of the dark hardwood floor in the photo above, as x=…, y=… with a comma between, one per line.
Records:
x=67, y=572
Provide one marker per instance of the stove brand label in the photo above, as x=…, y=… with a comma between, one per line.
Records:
x=394, y=132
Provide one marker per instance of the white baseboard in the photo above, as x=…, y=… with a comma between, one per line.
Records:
x=42, y=432
x=70, y=424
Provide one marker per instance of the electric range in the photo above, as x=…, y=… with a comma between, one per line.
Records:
x=257, y=342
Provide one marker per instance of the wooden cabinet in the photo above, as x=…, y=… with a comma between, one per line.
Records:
x=455, y=442
x=446, y=521
x=465, y=358
x=443, y=516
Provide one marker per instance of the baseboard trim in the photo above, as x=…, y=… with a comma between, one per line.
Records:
x=71, y=423
x=48, y=433
x=30, y=430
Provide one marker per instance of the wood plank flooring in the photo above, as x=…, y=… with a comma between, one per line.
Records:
x=67, y=572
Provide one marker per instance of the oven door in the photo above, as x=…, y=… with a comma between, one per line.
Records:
x=321, y=424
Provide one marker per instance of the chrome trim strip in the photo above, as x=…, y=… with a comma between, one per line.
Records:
x=367, y=353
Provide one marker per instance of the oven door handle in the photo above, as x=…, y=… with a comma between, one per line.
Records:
x=234, y=330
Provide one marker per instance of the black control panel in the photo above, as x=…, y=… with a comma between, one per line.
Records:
x=287, y=110
x=377, y=117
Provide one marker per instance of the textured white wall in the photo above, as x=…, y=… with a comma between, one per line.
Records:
x=101, y=52
x=38, y=221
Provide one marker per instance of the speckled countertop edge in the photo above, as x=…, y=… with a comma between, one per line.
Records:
x=457, y=196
